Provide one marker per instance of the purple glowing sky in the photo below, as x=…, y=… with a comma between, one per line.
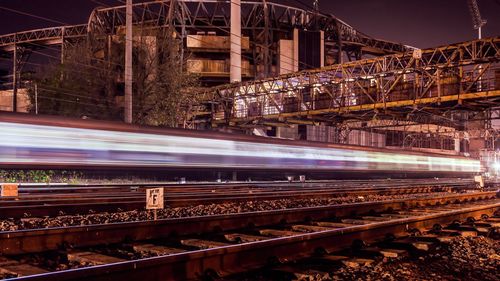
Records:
x=424, y=23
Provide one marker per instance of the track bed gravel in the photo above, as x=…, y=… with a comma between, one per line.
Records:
x=191, y=211
x=462, y=258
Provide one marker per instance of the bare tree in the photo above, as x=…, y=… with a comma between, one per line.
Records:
x=161, y=84
x=88, y=83
x=83, y=85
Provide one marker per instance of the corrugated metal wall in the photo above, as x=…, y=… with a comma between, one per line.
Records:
x=366, y=138
x=356, y=137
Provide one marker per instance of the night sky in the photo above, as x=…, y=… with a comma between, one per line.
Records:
x=423, y=23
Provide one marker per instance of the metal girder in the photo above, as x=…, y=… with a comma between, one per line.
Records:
x=205, y=14
x=47, y=36
x=433, y=78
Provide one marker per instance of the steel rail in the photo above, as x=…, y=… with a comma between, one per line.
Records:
x=39, y=240
x=55, y=205
x=229, y=259
x=385, y=182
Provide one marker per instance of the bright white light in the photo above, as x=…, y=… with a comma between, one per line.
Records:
x=496, y=166
x=39, y=144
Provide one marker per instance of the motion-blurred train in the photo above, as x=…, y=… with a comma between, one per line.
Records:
x=55, y=142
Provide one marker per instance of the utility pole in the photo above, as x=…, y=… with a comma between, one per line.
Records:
x=128, y=63
x=235, y=39
x=14, y=80
x=36, y=98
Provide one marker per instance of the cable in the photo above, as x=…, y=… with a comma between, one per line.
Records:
x=31, y=15
x=61, y=89
x=203, y=41
x=91, y=66
x=99, y=3
x=68, y=94
x=229, y=32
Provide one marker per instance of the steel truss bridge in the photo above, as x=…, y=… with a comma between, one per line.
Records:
x=443, y=87
x=264, y=22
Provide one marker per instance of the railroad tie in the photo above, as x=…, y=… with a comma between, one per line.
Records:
x=237, y=237
x=385, y=252
x=203, y=244
x=356, y=221
x=458, y=232
x=494, y=219
x=443, y=209
x=310, y=228
x=373, y=218
x=483, y=228
x=436, y=238
x=395, y=216
x=495, y=222
x=92, y=258
x=13, y=267
x=5, y=261
x=330, y=259
x=356, y=262
x=393, y=253
x=278, y=233
x=418, y=212
x=156, y=249
x=414, y=213
x=412, y=242
x=423, y=245
x=302, y=274
x=333, y=224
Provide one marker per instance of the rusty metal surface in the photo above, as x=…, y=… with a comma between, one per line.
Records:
x=30, y=241
x=38, y=202
x=232, y=258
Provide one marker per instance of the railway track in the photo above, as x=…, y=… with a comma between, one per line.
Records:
x=41, y=201
x=188, y=248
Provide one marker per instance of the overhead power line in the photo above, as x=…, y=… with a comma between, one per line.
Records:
x=32, y=15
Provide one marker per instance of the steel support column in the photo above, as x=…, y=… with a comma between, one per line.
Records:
x=14, y=79
x=128, y=64
x=235, y=38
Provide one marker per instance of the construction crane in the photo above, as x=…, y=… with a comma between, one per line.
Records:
x=477, y=21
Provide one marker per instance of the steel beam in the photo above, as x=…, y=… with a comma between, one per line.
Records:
x=235, y=38
x=14, y=79
x=396, y=81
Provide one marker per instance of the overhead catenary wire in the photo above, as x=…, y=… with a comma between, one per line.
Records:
x=92, y=66
x=69, y=91
x=203, y=41
x=31, y=15
x=89, y=65
x=239, y=36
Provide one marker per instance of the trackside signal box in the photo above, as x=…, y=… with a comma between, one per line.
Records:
x=9, y=190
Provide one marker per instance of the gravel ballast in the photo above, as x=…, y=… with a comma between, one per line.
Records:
x=463, y=258
x=192, y=211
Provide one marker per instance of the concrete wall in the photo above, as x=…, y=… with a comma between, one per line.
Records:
x=289, y=54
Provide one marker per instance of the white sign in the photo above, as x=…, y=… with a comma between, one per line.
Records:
x=479, y=180
x=154, y=198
